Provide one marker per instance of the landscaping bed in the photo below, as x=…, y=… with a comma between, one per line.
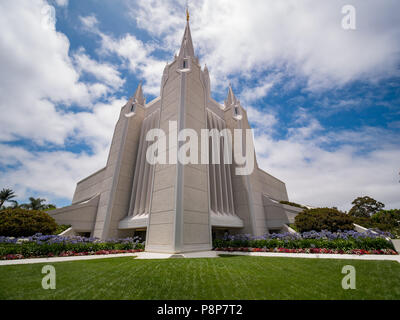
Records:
x=325, y=242
x=310, y=250
x=58, y=246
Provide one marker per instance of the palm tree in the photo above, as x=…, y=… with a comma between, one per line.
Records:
x=37, y=204
x=14, y=205
x=6, y=195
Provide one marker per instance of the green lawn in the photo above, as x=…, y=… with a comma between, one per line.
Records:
x=231, y=277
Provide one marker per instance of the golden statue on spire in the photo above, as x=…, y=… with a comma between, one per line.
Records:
x=187, y=13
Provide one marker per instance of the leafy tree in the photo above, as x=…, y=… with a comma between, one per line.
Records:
x=365, y=207
x=37, y=204
x=6, y=195
x=390, y=217
x=319, y=219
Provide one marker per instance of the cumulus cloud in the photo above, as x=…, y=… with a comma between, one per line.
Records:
x=136, y=56
x=40, y=81
x=263, y=120
x=41, y=75
x=317, y=176
x=104, y=72
x=53, y=174
x=304, y=38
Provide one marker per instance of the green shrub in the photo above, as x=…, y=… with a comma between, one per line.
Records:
x=323, y=219
x=23, y=223
x=387, y=217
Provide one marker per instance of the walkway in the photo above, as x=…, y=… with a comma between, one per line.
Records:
x=203, y=254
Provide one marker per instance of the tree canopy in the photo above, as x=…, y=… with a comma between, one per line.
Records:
x=365, y=207
x=37, y=204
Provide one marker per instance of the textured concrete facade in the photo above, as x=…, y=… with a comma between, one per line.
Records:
x=178, y=207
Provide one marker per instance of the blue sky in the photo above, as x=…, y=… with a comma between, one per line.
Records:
x=324, y=101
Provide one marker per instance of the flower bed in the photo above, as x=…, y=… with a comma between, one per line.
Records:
x=70, y=254
x=310, y=250
x=53, y=246
x=346, y=242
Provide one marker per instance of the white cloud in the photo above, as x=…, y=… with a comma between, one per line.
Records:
x=335, y=177
x=303, y=38
x=40, y=80
x=38, y=75
x=263, y=120
x=136, y=56
x=90, y=22
x=62, y=3
x=96, y=127
x=165, y=12
x=53, y=174
x=103, y=72
x=252, y=94
x=236, y=39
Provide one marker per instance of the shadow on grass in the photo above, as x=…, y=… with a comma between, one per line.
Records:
x=230, y=255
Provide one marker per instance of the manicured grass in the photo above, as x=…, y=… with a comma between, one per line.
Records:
x=231, y=277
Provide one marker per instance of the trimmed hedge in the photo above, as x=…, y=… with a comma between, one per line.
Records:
x=20, y=222
x=323, y=219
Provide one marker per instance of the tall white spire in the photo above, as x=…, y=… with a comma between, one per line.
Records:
x=187, y=49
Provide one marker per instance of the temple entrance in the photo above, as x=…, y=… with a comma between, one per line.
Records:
x=219, y=233
x=141, y=233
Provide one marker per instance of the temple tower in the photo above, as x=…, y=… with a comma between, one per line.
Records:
x=179, y=219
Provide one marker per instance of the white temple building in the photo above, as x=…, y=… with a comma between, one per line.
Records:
x=176, y=207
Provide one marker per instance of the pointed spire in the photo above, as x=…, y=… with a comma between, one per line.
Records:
x=230, y=99
x=187, y=49
x=139, y=97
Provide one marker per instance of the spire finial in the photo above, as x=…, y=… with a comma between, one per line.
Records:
x=187, y=13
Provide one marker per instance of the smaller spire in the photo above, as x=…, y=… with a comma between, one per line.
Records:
x=230, y=99
x=139, y=97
